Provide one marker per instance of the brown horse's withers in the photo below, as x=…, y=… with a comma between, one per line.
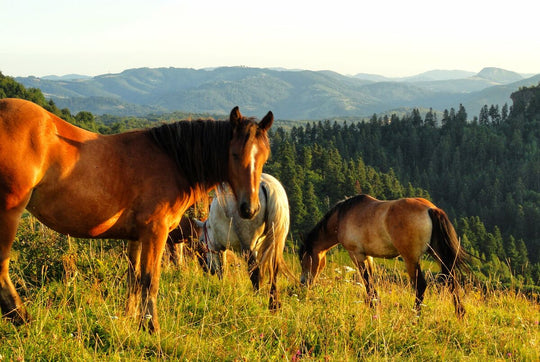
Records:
x=134, y=186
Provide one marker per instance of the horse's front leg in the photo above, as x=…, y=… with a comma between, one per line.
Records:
x=10, y=303
x=254, y=270
x=214, y=262
x=365, y=269
x=153, y=245
x=133, y=278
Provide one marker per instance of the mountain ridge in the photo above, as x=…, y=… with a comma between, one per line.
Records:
x=290, y=94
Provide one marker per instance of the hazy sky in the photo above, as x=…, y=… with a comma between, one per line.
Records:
x=387, y=37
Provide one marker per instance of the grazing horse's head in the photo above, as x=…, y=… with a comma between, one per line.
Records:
x=312, y=252
x=248, y=151
x=306, y=262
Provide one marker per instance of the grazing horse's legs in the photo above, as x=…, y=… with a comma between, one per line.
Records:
x=153, y=245
x=254, y=271
x=255, y=277
x=133, y=278
x=365, y=268
x=214, y=262
x=419, y=283
x=274, y=304
x=454, y=289
x=10, y=302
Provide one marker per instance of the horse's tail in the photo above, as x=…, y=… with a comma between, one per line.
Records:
x=277, y=221
x=445, y=245
x=446, y=248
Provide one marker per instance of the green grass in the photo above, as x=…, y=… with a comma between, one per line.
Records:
x=79, y=316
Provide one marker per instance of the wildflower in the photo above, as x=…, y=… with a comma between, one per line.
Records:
x=147, y=316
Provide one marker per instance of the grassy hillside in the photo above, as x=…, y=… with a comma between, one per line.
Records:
x=75, y=292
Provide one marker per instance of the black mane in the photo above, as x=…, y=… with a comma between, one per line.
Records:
x=199, y=148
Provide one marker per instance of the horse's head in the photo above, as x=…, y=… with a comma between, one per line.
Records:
x=248, y=151
x=312, y=261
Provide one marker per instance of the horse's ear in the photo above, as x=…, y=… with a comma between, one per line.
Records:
x=267, y=121
x=235, y=116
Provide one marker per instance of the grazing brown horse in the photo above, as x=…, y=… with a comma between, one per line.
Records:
x=367, y=227
x=134, y=186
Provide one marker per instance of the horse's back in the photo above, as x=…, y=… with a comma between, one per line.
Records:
x=387, y=228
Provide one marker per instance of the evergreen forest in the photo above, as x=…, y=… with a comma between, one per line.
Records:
x=483, y=170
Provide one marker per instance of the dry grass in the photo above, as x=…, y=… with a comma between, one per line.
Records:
x=80, y=318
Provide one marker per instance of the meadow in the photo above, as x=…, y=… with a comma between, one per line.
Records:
x=75, y=291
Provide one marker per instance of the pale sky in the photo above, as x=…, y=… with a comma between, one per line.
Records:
x=386, y=37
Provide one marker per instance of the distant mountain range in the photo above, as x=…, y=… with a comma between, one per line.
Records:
x=290, y=94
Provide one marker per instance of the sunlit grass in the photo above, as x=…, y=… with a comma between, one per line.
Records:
x=80, y=317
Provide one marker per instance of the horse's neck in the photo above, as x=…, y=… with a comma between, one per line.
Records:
x=327, y=236
x=224, y=213
x=199, y=149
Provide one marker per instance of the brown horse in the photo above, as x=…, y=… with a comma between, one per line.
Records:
x=367, y=227
x=134, y=186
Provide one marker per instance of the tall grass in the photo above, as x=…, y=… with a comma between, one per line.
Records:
x=78, y=316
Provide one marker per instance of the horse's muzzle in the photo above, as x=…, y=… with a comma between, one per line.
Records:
x=246, y=212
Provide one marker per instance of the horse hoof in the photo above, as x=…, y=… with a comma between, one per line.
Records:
x=147, y=323
x=18, y=317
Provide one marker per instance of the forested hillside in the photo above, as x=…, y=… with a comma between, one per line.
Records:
x=485, y=173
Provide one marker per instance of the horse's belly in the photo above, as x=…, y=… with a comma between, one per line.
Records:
x=84, y=221
x=376, y=247
x=381, y=250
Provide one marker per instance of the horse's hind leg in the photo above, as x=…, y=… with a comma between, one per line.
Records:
x=274, y=303
x=10, y=302
x=419, y=283
x=454, y=289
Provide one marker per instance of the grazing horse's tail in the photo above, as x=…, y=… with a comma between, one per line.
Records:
x=447, y=250
x=270, y=253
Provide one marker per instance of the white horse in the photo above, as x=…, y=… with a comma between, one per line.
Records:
x=262, y=238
